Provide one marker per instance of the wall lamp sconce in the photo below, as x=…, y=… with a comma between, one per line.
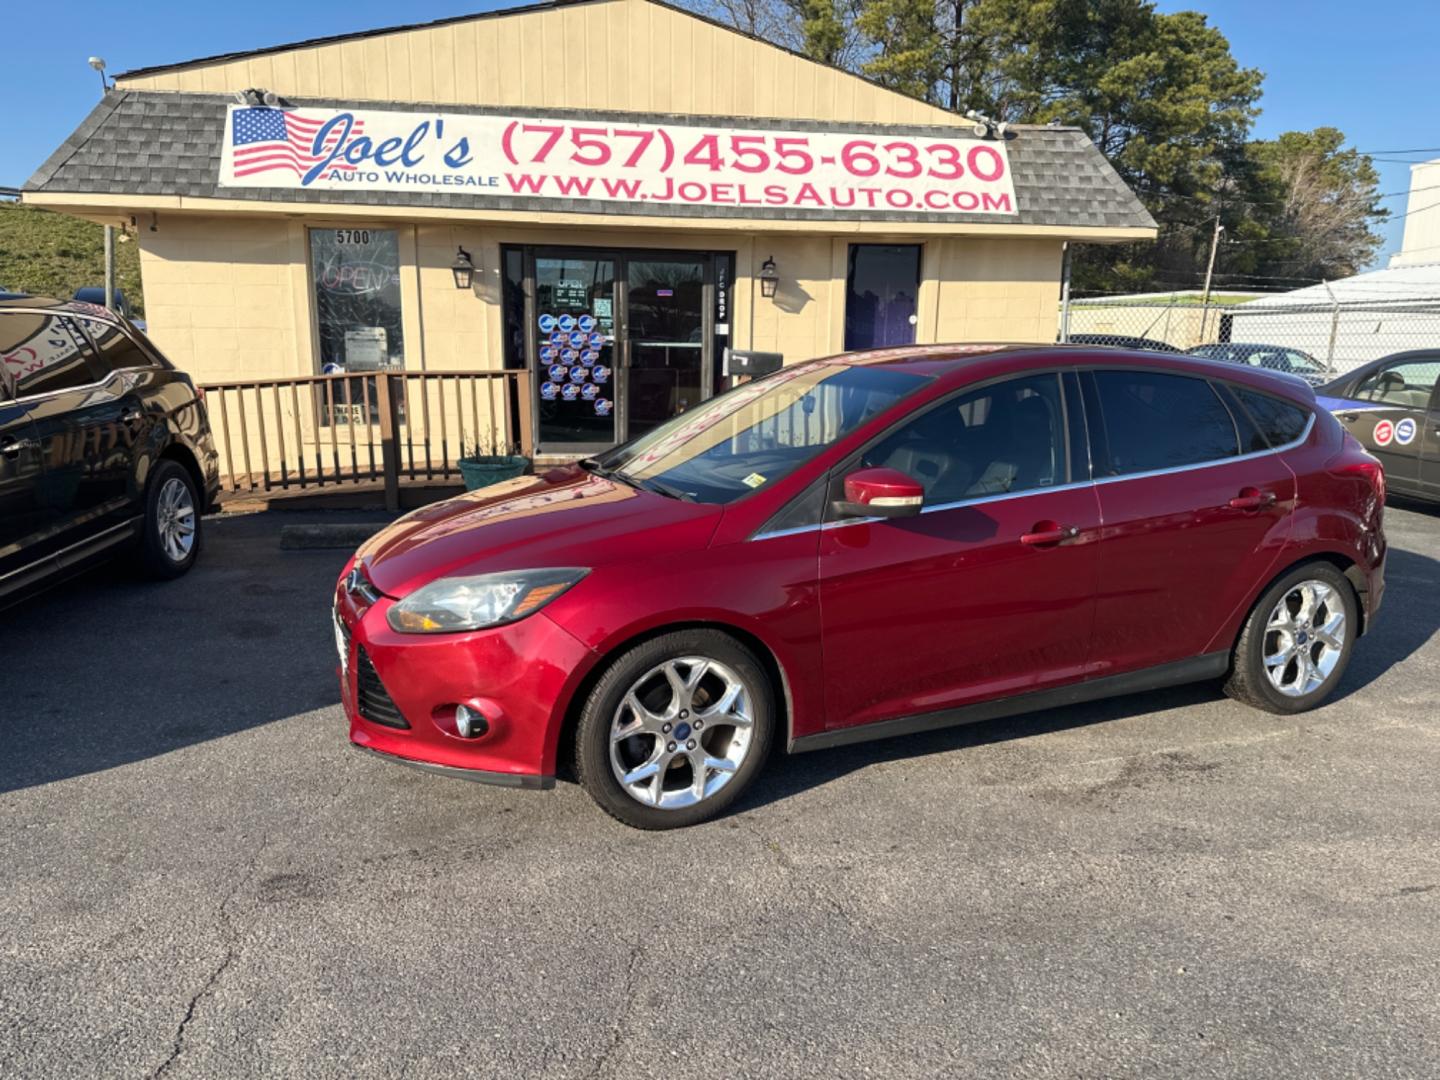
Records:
x=463, y=269
x=769, y=279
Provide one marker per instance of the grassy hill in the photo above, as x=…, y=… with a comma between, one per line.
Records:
x=51, y=254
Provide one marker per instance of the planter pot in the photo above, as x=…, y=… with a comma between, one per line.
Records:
x=483, y=471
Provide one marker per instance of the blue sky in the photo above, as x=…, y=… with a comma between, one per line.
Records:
x=1364, y=70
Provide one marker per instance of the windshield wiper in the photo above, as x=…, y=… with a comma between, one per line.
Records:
x=661, y=488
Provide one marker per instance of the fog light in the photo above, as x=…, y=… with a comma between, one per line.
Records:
x=470, y=723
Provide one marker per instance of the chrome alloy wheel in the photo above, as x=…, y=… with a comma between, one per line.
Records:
x=1304, y=638
x=681, y=732
x=175, y=520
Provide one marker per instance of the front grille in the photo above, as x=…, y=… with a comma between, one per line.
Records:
x=372, y=700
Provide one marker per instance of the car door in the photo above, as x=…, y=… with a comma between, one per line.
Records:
x=989, y=591
x=1193, y=517
x=130, y=374
x=22, y=519
x=78, y=417
x=1430, y=449
x=1388, y=409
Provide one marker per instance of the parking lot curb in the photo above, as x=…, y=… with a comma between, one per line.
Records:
x=346, y=535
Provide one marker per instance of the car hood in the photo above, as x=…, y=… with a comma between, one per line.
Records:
x=564, y=517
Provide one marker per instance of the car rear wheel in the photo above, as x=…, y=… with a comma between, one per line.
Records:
x=675, y=729
x=171, y=540
x=1297, y=641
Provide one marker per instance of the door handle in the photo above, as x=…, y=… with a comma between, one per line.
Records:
x=1047, y=533
x=1252, y=499
x=1350, y=417
x=10, y=446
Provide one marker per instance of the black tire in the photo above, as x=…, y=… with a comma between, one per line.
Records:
x=1248, y=680
x=728, y=660
x=156, y=558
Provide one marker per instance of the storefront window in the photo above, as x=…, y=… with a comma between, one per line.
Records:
x=357, y=299
x=357, y=309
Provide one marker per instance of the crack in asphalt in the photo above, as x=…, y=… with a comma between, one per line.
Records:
x=228, y=934
x=622, y=1016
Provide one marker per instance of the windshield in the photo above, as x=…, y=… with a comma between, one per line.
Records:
x=752, y=436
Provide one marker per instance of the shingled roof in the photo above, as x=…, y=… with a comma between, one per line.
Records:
x=168, y=143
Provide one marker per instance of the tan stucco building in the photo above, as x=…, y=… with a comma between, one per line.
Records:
x=619, y=172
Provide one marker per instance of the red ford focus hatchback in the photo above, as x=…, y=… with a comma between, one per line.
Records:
x=864, y=546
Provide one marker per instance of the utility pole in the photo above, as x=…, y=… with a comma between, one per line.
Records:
x=98, y=63
x=110, y=267
x=1210, y=273
x=1065, y=293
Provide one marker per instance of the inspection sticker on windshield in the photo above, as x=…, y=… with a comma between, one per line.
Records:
x=754, y=480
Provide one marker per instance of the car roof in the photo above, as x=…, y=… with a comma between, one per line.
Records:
x=956, y=365
x=48, y=305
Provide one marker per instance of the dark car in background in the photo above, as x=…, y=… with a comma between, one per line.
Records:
x=1122, y=341
x=1392, y=405
x=1274, y=357
x=104, y=447
x=95, y=294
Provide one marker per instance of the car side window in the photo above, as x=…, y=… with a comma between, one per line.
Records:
x=1154, y=420
x=1406, y=385
x=1279, y=421
x=1001, y=439
x=44, y=353
x=116, y=349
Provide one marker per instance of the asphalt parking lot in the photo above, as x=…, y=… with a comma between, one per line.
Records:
x=198, y=878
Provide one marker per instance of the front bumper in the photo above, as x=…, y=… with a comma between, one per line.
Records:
x=518, y=676
x=479, y=776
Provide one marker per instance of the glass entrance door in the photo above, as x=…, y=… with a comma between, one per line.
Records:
x=618, y=341
x=666, y=338
x=574, y=351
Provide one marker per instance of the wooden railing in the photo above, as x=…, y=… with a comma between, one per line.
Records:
x=321, y=431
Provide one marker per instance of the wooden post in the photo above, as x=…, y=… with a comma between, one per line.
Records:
x=389, y=452
x=522, y=382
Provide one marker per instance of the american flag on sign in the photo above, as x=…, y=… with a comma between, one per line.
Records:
x=265, y=139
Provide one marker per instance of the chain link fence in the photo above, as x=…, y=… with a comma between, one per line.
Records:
x=1267, y=331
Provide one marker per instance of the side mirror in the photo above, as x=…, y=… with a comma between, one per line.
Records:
x=887, y=493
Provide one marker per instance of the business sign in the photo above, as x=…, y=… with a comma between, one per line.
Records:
x=613, y=161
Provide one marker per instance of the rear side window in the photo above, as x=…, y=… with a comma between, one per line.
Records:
x=1279, y=421
x=44, y=353
x=1153, y=420
x=117, y=350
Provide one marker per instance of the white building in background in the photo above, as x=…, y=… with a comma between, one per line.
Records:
x=1366, y=316
x=1421, y=242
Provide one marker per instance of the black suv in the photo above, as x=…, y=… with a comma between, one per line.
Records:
x=104, y=447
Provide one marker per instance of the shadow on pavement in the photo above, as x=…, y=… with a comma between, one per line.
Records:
x=109, y=669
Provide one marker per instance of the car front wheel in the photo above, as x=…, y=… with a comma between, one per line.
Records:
x=171, y=539
x=1297, y=641
x=675, y=729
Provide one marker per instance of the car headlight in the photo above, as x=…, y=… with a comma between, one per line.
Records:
x=471, y=603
